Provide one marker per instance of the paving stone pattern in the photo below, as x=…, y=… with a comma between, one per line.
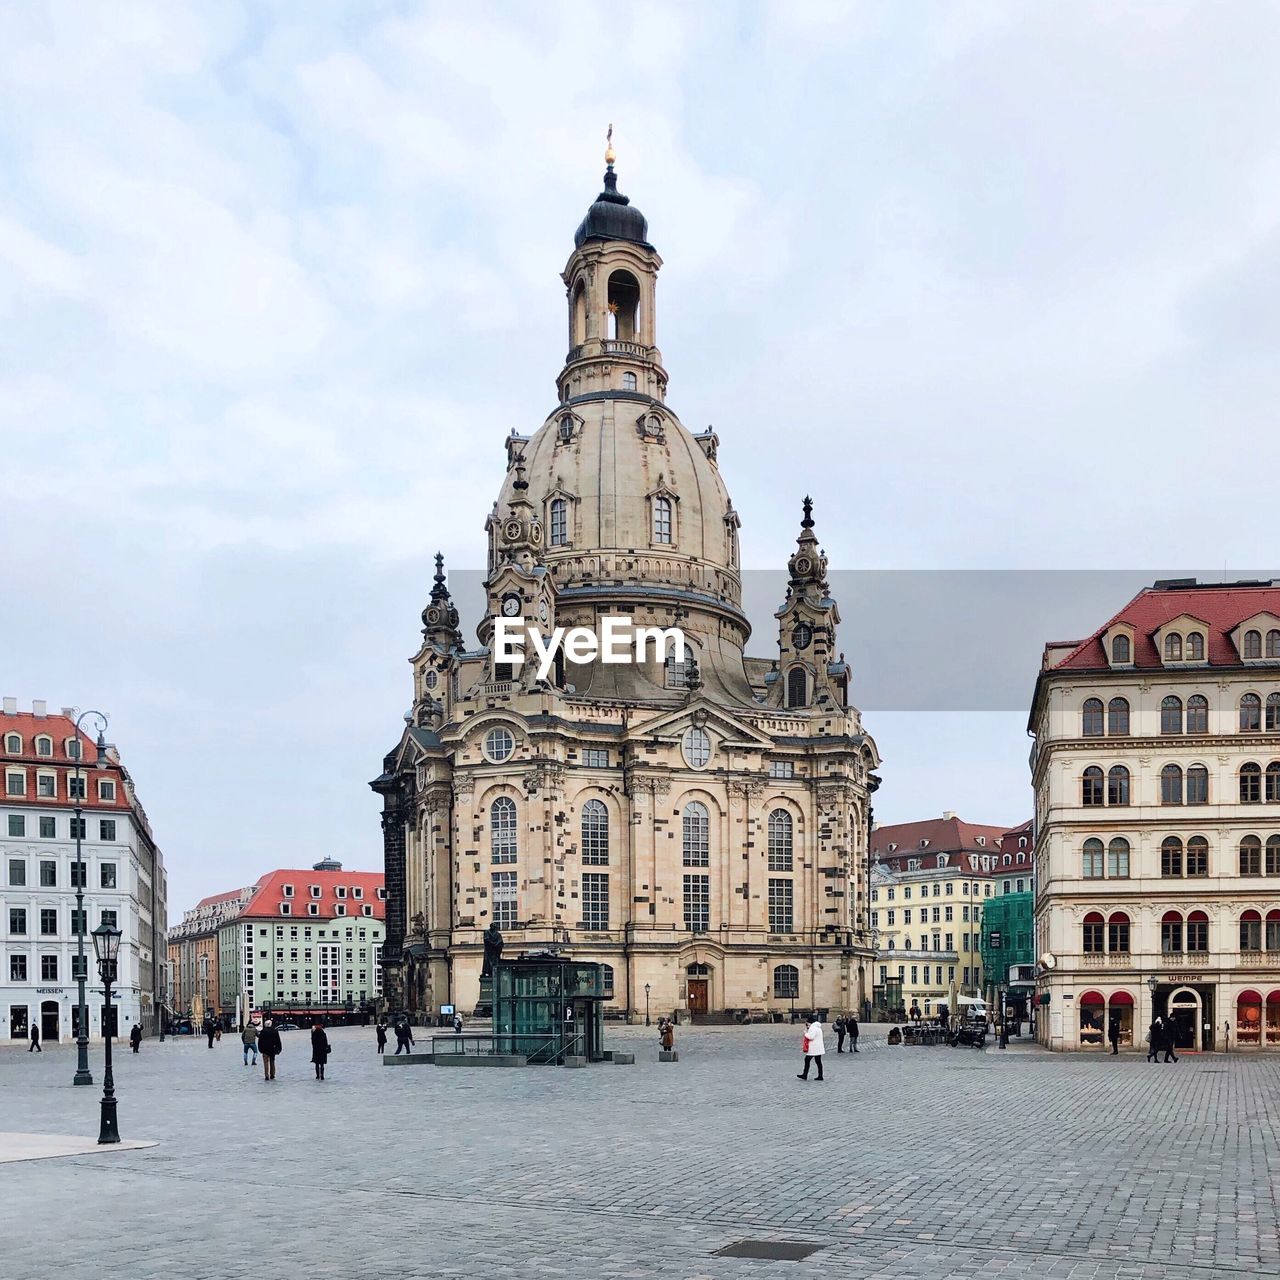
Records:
x=905, y=1162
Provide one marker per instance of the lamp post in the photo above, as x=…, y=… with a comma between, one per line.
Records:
x=79, y=874
x=106, y=947
x=646, y=1005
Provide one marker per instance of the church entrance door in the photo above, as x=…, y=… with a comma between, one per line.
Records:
x=698, y=1002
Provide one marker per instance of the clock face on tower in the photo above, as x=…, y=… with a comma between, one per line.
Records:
x=802, y=635
x=544, y=611
x=510, y=605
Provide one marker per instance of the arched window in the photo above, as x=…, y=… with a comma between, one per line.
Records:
x=580, y=313
x=1091, y=786
x=1250, y=713
x=1197, y=856
x=1250, y=931
x=44, y=745
x=797, y=687
x=1197, y=931
x=1118, y=785
x=1273, y=644
x=779, y=840
x=1253, y=644
x=1091, y=718
x=1251, y=783
x=1118, y=858
x=1092, y=868
x=1170, y=857
x=595, y=834
x=1171, y=933
x=502, y=829
x=1197, y=713
x=1273, y=782
x=1171, y=784
x=624, y=306
x=1273, y=713
x=1171, y=714
x=1197, y=784
x=1173, y=647
x=786, y=982
x=697, y=835
x=1195, y=647
x=1093, y=933
x=1118, y=933
x=1121, y=650
x=13, y=744
x=661, y=519
x=1250, y=856
x=628, y=382
x=559, y=522
x=1273, y=931
x=1118, y=717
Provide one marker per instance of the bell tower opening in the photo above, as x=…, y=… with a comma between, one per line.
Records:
x=578, y=315
x=624, y=307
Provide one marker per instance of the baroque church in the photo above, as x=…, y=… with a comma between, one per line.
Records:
x=699, y=827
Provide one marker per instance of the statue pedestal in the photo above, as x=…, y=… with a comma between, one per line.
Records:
x=668, y=1055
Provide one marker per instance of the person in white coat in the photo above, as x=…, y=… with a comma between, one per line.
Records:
x=813, y=1049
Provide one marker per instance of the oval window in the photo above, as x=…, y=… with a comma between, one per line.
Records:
x=499, y=744
x=697, y=748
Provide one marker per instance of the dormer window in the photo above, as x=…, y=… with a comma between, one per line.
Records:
x=924, y=844
x=1121, y=651
x=1252, y=646
x=982, y=840
x=13, y=744
x=44, y=745
x=1173, y=647
x=341, y=891
x=892, y=847
x=357, y=892
x=72, y=746
x=1273, y=643
x=340, y=909
x=565, y=429
x=315, y=889
x=286, y=909
x=559, y=522
x=287, y=890
x=367, y=909
x=313, y=909
x=1195, y=647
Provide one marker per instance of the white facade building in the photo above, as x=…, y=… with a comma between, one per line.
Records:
x=122, y=870
x=1157, y=779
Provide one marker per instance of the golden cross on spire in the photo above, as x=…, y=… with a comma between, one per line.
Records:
x=609, y=156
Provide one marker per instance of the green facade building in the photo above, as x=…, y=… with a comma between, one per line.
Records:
x=1007, y=936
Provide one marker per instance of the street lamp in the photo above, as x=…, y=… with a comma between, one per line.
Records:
x=646, y=1005
x=106, y=947
x=79, y=875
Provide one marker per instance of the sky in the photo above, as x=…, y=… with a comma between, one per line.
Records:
x=998, y=284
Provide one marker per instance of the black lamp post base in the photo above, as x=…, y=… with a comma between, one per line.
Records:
x=108, y=1130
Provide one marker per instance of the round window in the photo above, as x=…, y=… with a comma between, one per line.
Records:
x=431, y=679
x=697, y=748
x=499, y=744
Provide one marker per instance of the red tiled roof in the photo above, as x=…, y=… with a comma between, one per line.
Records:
x=269, y=894
x=218, y=897
x=945, y=835
x=60, y=728
x=1220, y=608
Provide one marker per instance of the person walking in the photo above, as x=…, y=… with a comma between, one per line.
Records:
x=249, y=1039
x=269, y=1046
x=838, y=1027
x=1153, y=1041
x=1167, y=1032
x=382, y=1036
x=851, y=1026
x=135, y=1036
x=813, y=1049
x=404, y=1036
x=319, y=1049
x=1113, y=1034
x=35, y=1038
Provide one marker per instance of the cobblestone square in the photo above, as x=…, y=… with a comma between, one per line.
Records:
x=905, y=1162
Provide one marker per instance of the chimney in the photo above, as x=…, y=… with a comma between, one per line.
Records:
x=38, y=707
x=68, y=713
x=11, y=706
x=947, y=815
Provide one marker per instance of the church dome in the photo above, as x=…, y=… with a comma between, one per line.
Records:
x=612, y=217
x=639, y=499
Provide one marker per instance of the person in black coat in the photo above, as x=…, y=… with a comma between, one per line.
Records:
x=404, y=1036
x=319, y=1049
x=1154, y=1035
x=1167, y=1039
x=269, y=1045
x=382, y=1036
x=35, y=1039
x=209, y=1030
x=135, y=1036
x=851, y=1026
x=838, y=1027
x=1113, y=1034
